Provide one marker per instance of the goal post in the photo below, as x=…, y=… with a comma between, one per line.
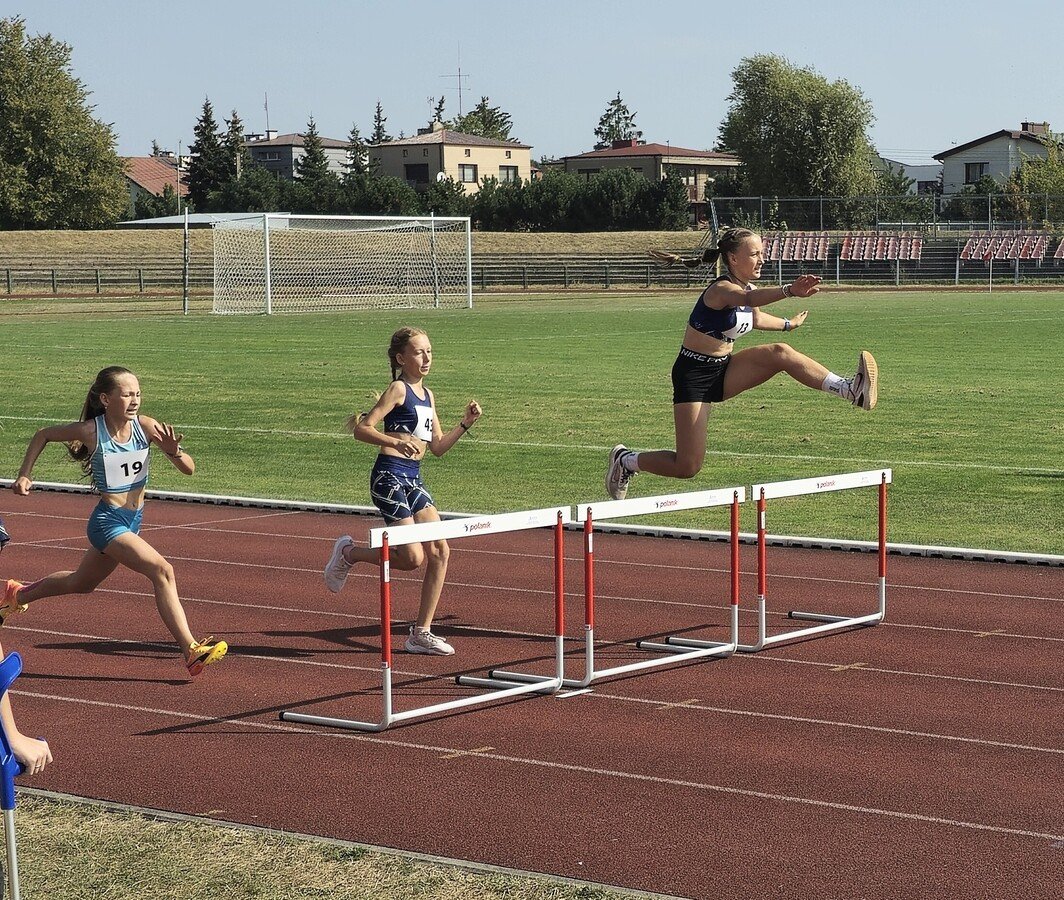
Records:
x=270, y=262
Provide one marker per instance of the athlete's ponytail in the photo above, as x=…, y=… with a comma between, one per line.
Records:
x=728, y=242
x=106, y=381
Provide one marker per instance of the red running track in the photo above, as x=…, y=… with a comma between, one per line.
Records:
x=919, y=758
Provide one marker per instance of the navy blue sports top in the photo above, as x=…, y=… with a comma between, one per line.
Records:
x=723, y=324
x=412, y=416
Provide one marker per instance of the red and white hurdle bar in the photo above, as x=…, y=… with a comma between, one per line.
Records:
x=803, y=487
x=679, y=649
x=386, y=538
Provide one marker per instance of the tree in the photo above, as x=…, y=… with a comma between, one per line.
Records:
x=234, y=147
x=357, y=155
x=1041, y=176
x=796, y=133
x=313, y=165
x=485, y=120
x=58, y=165
x=150, y=206
x=437, y=113
x=210, y=166
x=379, y=135
x=617, y=124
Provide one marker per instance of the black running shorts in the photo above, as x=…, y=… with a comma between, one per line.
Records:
x=697, y=378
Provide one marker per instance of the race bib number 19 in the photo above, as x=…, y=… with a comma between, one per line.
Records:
x=125, y=468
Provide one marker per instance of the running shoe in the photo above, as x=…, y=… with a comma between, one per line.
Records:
x=864, y=387
x=337, y=567
x=427, y=642
x=10, y=605
x=617, y=476
x=203, y=653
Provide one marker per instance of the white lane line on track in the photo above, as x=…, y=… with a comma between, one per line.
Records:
x=804, y=720
x=594, y=448
x=639, y=777
x=620, y=598
x=571, y=560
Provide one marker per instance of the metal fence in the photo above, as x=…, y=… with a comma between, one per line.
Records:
x=932, y=213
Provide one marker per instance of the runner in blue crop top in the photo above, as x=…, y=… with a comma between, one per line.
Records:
x=707, y=372
x=112, y=442
x=407, y=412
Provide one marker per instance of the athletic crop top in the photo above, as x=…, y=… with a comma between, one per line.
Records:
x=119, y=467
x=412, y=416
x=723, y=324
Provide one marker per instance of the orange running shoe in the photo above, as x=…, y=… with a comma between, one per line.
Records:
x=10, y=604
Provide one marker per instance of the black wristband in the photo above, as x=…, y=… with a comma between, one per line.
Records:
x=464, y=427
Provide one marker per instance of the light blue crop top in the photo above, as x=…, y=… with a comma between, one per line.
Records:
x=119, y=467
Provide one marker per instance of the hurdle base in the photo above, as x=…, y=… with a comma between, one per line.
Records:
x=833, y=623
x=826, y=617
x=503, y=681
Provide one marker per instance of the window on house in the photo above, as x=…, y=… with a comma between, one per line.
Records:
x=416, y=174
x=404, y=154
x=467, y=174
x=271, y=156
x=507, y=154
x=467, y=151
x=425, y=152
x=508, y=173
x=974, y=171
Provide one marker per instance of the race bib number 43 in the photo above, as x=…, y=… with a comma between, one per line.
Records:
x=125, y=468
x=423, y=430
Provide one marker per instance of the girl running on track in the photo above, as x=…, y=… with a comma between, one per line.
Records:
x=706, y=371
x=112, y=443
x=407, y=410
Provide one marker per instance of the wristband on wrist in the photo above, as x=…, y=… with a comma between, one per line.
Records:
x=464, y=427
x=787, y=291
x=178, y=455
x=787, y=326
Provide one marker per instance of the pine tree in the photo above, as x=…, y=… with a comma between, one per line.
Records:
x=313, y=164
x=485, y=120
x=617, y=124
x=234, y=147
x=357, y=155
x=210, y=167
x=379, y=135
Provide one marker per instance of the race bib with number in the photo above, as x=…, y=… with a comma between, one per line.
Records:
x=125, y=468
x=423, y=429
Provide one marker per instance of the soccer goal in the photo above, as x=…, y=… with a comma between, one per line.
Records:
x=271, y=263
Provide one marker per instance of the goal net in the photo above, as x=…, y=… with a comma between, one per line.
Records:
x=287, y=263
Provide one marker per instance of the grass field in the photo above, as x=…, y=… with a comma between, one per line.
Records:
x=969, y=416
x=79, y=851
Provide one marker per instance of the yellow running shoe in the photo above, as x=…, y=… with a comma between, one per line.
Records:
x=203, y=653
x=10, y=604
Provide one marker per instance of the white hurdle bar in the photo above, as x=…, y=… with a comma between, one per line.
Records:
x=679, y=649
x=803, y=487
x=384, y=539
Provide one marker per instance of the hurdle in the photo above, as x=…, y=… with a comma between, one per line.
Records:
x=384, y=539
x=803, y=487
x=679, y=649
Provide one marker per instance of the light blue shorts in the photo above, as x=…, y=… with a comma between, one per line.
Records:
x=108, y=522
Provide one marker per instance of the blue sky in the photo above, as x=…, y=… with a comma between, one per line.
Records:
x=937, y=74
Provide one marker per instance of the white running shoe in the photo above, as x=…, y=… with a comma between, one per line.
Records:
x=617, y=476
x=337, y=567
x=864, y=386
x=427, y=642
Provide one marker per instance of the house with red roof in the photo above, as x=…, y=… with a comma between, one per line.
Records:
x=150, y=174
